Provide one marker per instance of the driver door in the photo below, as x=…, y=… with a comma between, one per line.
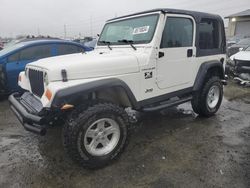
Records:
x=175, y=65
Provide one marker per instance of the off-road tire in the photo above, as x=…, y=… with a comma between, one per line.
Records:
x=78, y=123
x=199, y=101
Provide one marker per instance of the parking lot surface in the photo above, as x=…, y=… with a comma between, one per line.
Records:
x=174, y=148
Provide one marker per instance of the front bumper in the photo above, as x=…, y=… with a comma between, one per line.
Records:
x=31, y=122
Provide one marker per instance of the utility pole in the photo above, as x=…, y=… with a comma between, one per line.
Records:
x=38, y=31
x=91, y=26
x=65, y=31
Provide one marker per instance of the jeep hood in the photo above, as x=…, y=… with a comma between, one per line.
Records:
x=88, y=65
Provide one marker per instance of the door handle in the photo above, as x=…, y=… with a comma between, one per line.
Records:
x=161, y=54
x=189, y=52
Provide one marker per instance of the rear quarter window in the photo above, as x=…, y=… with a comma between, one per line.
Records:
x=209, y=34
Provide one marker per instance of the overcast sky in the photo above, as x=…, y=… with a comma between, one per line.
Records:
x=86, y=17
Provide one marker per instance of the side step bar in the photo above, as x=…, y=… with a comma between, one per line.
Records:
x=166, y=105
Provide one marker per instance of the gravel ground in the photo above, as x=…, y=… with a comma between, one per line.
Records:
x=172, y=149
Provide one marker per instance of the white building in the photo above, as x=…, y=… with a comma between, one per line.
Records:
x=239, y=24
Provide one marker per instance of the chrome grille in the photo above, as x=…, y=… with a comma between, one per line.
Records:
x=36, y=82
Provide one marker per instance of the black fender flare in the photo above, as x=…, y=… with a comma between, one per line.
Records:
x=203, y=70
x=69, y=94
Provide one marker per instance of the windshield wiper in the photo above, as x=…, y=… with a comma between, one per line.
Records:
x=107, y=43
x=130, y=42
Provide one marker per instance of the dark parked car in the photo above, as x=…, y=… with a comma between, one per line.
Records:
x=233, y=49
x=14, y=58
x=1, y=46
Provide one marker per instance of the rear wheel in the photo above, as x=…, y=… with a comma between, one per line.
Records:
x=207, y=101
x=97, y=135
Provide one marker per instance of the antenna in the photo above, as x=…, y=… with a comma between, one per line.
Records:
x=91, y=25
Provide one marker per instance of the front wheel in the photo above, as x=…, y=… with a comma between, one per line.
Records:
x=97, y=135
x=207, y=101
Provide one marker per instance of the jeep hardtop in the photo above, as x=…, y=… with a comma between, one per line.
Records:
x=146, y=62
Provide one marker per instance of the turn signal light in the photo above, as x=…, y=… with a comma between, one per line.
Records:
x=67, y=106
x=48, y=94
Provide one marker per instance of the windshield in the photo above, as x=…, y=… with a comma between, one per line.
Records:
x=244, y=42
x=8, y=49
x=138, y=30
x=248, y=48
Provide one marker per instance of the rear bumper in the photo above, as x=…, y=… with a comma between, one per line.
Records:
x=31, y=122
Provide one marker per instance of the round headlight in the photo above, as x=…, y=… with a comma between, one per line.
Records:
x=46, y=79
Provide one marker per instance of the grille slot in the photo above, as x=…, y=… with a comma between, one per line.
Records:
x=242, y=63
x=36, y=82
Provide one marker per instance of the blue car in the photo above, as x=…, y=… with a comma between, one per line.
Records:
x=14, y=59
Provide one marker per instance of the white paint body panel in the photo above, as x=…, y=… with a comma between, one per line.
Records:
x=89, y=65
x=242, y=55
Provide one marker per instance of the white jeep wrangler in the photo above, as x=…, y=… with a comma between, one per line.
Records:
x=146, y=61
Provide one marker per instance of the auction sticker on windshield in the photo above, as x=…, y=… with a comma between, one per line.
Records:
x=140, y=30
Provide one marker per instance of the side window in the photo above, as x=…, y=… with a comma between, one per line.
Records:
x=178, y=32
x=35, y=52
x=209, y=36
x=64, y=49
x=14, y=57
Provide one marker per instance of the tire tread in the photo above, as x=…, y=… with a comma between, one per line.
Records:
x=73, y=125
